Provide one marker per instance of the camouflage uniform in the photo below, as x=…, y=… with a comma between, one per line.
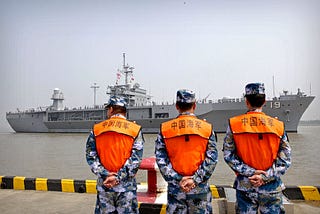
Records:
x=268, y=197
x=198, y=200
x=122, y=198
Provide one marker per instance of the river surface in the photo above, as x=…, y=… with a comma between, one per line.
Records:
x=58, y=156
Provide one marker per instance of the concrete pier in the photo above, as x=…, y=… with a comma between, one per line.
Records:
x=53, y=202
x=42, y=195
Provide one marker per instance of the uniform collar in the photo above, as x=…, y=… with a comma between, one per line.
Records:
x=255, y=110
x=119, y=116
x=187, y=113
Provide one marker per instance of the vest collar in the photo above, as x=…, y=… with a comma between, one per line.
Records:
x=255, y=112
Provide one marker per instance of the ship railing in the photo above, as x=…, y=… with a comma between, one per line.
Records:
x=23, y=112
x=230, y=100
x=95, y=118
x=79, y=108
x=288, y=97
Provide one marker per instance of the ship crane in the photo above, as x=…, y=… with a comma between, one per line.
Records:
x=204, y=100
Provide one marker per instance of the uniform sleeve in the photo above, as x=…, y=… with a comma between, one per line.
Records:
x=283, y=161
x=231, y=158
x=164, y=164
x=207, y=167
x=93, y=158
x=131, y=166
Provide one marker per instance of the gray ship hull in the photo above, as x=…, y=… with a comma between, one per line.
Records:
x=28, y=121
x=287, y=108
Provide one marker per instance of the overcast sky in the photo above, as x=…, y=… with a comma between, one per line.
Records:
x=211, y=47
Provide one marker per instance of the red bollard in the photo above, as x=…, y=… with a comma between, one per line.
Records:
x=149, y=164
x=156, y=183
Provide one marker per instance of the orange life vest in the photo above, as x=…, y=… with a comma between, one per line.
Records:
x=186, y=139
x=257, y=138
x=114, y=141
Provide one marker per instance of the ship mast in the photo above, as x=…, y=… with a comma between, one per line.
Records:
x=273, y=86
x=95, y=87
x=126, y=69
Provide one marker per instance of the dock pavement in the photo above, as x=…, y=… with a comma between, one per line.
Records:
x=55, y=202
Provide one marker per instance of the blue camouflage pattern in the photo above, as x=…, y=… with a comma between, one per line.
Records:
x=117, y=202
x=127, y=187
x=273, y=183
x=186, y=96
x=266, y=203
x=199, y=198
x=254, y=88
x=181, y=202
x=116, y=101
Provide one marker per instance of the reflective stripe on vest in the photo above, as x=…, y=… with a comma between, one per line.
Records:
x=257, y=138
x=186, y=139
x=114, y=141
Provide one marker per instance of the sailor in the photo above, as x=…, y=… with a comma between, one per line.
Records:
x=114, y=152
x=186, y=155
x=256, y=147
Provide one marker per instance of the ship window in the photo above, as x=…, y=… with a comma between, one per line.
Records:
x=161, y=115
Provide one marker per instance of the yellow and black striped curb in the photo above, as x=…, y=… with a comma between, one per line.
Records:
x=307, y=193
x=89, y=186
x=67, y=185
x=45, y=184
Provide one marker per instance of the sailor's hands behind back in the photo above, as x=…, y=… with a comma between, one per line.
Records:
x=111, y=180
x=187, y=184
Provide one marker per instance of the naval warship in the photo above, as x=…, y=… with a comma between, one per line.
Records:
x=56, y=118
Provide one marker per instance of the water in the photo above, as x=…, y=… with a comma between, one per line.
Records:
x=63, y=156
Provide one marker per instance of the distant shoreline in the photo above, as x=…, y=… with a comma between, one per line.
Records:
x=309, y=123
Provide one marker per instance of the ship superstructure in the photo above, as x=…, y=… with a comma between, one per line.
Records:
x=131, y=91
x=288, y=108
